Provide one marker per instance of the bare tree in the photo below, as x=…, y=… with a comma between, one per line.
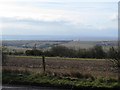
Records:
x=114, y=57
x=4, y=52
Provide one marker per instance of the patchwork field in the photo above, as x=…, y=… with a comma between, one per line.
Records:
x=22, y=45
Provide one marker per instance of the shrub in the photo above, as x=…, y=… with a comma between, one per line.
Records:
x=34, y=52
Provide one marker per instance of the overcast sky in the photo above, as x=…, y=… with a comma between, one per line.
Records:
x=59, y=17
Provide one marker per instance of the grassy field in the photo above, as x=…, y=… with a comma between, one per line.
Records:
x=63, y=58
x=63, y=66
x=73, y=73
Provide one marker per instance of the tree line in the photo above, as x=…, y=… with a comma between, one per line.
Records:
x=62, y=51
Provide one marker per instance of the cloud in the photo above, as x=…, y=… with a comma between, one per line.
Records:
x=114, y=17
x=35, y=27
x=49, y=14
x=72, y=18
x=61, y=1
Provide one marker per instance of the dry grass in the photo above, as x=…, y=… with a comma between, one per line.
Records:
x=62, y=67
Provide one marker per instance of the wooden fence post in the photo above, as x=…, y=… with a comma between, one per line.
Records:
x=43, y=62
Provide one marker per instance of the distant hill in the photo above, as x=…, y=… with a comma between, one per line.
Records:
x=47, y=44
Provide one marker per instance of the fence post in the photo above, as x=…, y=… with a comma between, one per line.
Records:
x=43, y=62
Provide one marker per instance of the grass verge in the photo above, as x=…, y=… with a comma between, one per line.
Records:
x=26, y=78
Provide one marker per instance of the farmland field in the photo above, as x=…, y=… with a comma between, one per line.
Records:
x=62, y=66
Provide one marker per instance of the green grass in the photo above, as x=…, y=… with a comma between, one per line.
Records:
x=40, y=57
x=46, y=80
x=82, y=59
x=25, y=56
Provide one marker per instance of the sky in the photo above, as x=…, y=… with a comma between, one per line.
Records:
x=83, y=18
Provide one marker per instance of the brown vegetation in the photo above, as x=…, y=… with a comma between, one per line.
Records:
x=63, y=66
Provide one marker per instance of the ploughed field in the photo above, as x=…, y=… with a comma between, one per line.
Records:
x=62, y=66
